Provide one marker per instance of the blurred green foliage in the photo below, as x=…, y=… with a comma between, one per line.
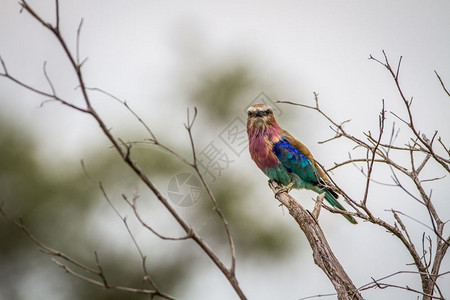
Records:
x=220, y=90
x=59, y=209
x=56, y=210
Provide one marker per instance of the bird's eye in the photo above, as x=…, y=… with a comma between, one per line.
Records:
x=250, y=113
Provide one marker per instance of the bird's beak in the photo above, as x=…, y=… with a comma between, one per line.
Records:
x=259, y=114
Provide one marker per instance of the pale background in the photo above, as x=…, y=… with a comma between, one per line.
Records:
x=152, y=52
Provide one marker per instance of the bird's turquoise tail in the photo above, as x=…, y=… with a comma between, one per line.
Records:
x=333, y=201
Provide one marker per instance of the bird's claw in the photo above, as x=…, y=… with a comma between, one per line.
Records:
x=285, y=189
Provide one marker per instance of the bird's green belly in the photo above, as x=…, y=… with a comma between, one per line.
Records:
x=280, y=174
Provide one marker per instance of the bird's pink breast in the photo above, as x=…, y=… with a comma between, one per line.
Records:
x=260, y=145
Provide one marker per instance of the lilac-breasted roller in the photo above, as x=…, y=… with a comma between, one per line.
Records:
x=283, y=158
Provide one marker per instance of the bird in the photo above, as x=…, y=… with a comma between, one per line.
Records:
x=284, y=159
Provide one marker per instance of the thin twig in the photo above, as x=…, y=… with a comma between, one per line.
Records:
x=58, y=254
x=188, y=125
x=78, y=42
x=147, y=277
x=124, y=151
x=371, y=162
x=442, y=83
x=133, y=205
x=378, y=152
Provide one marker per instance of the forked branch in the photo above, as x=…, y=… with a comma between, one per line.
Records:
x=322, y=253
x=420, y=150
x=123, y=149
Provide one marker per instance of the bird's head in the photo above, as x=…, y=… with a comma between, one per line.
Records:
x=260, y=116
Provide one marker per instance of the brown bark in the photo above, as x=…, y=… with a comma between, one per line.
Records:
x=322, y=253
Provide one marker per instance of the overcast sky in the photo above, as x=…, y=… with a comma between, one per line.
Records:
x=145, y=51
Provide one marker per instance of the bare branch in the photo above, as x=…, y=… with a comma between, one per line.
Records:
x=188, y=125
x=48, y=80
x=410, y=121
x=124, y=152
x=147, y=277
x=78, y=43
x=378, y=152
x=433, y=179
x=374, y=150
x=353, y=161
x=5, y=70
x=57, y=254
x=111, y=287
x=375, y=283
x=322, y=253
x=318, y=205
x=442, y=83
x=52, y=95
x=133, y=205
x=339, y=126
x=402, y=226
x=398, y=69
x=427, y=261
x=57, y=14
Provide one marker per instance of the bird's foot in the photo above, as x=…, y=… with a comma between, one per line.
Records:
x=284, y=189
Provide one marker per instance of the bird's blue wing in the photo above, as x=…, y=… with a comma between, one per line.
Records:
x=294, y=161
x=292, y=158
